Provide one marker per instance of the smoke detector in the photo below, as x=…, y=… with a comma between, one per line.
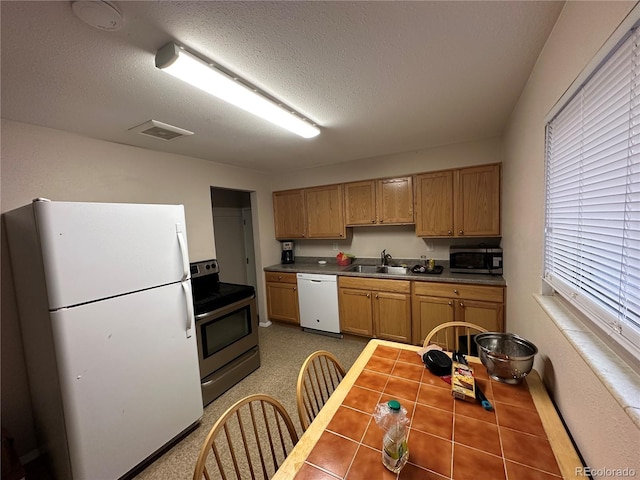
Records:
x=160, y=130
x=99, y=14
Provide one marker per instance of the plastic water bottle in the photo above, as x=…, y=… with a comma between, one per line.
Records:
x=393, y=419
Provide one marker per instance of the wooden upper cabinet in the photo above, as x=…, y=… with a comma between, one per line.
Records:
x=395, y=200
x=360, y=203
x=434, y=204
x=459, y=203
x=379, y=202
x=477, y=205
x=325, y=211
x=289, y=214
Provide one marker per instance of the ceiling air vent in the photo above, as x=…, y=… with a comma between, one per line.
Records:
x=160, y=130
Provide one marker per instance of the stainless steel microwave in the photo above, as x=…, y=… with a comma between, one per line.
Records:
x=475, y=259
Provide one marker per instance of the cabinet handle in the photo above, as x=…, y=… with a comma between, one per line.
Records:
x=449, y=232
x=368, y=295
x=373, y=221
x=279, y=277
x=460, y=232
x=450, y=303
x=294, y=289
x=455, y=291
x=461, y=304
x=376, y=296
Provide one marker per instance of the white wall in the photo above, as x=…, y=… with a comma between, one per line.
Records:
x=605, y=435
x=41, y=162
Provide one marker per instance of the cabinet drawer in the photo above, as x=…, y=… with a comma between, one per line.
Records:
x=279, y=277
x=456, y=290
x=398, y=286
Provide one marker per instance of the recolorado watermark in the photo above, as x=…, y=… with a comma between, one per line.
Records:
x=605, y=472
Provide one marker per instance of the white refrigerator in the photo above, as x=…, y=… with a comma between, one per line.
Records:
x=106, y=313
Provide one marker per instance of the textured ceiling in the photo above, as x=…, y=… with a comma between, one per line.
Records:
x=377, y=77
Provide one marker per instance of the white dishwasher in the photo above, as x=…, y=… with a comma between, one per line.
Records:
x=318, y=300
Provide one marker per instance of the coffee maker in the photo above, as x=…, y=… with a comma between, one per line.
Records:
x=287, y=252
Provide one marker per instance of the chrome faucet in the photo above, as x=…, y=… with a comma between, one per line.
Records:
x=385, y=257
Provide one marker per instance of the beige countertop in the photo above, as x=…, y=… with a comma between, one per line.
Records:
x=311, y=265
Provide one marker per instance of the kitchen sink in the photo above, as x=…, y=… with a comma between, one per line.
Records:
x=364, y=268
x=391, y=270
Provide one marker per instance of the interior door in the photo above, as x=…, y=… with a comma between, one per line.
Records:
x=230, y=246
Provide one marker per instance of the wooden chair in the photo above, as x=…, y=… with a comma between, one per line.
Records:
x=319, y=376
x=252, y=438
x=447, y=335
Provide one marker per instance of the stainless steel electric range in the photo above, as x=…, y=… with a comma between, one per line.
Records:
x=226, y=328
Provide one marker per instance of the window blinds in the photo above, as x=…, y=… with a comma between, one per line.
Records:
x=592, y=238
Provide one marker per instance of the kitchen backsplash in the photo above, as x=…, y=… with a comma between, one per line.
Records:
x=399, y=241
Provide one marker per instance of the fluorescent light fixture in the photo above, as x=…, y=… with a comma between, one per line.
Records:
x=181, y=64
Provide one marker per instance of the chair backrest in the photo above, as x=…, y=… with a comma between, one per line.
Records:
x=319, y=376
x=251, y=439
x=448, y=335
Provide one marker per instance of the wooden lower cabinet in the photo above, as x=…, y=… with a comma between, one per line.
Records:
x=436, y=303
x=375, y=308
x=282, y=297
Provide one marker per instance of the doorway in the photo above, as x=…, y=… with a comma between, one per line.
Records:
x=233, y=236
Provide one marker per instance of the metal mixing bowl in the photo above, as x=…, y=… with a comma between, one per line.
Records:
x=508, y=357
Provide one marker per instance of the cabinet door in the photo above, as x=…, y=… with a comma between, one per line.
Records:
x=392, y=316
x=360, y=203
x=434, y=204
x=288, y=214
x=488, y=315
x=395, y=200
x=428, y=313
x=477, y=210
x=282, y=302
x=325, y=212
x=355, y=312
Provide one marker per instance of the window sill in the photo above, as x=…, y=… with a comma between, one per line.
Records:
x=618, y=378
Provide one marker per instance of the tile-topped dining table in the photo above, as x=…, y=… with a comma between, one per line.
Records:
x=522, y=438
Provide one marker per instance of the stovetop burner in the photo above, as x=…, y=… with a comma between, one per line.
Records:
x=209, y=293
x=227, y=294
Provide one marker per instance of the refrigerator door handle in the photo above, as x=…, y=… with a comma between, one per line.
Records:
x=186, y=287
x=183, y=251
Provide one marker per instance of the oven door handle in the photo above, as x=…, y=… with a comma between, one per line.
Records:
x=203, y=315
x=186, y=288
x=183, y=251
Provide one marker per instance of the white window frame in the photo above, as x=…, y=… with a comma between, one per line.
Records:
x=622, y=334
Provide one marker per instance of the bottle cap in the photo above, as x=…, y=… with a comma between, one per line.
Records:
x=394, y=405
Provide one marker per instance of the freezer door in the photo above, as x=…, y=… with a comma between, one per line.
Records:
x=93, y=251
x=129, y=377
